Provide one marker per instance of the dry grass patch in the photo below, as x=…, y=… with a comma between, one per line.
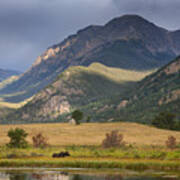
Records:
x=61, y=134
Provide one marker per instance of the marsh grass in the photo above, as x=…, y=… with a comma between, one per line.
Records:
x=148, y=153
x=93, y=163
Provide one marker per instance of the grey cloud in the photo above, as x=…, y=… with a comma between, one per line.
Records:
x=164, y=13
x=28, y=27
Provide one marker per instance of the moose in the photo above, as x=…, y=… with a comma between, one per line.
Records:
x=61, y=154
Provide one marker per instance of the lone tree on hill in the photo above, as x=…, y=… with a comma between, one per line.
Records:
x=77, y=115
x=17, y=138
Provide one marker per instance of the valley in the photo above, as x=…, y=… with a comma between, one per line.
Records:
x=113, y=72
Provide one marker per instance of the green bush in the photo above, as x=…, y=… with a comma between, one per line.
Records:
x=17, y=138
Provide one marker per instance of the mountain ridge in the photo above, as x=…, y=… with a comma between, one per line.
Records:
x=128, y=42
x=105, y=94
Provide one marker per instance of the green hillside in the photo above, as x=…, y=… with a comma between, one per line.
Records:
x=156, y=93
x=105, y=94
x=77, y=87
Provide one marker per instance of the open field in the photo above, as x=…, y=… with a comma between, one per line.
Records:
x=62, y=134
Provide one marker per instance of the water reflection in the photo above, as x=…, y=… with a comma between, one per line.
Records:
x=117, y=177
x=69, y=176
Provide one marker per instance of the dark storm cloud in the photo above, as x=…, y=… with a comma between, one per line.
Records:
x=164, y=13
x=28, y=27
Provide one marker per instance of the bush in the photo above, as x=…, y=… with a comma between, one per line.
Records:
x=113, y=139
x=17, y=138
x=171, y=142
x=39, y=141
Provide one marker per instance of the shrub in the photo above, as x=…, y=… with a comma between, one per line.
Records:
x=17, y=138
x=171, y=142
x=113, y=139
x=39, y=141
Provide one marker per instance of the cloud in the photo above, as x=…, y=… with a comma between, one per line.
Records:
x=163, y=12
x=28, y=27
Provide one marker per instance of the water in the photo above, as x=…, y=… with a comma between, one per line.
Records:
x=44, y=174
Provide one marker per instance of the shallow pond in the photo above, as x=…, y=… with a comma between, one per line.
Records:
x=83, y=174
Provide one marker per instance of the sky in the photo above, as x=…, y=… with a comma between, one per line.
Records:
x=29, y=27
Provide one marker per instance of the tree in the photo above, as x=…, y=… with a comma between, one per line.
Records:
x=77, y=115
x=39, y=141
x=165, y=120
x=113, y=139
x=17, y=138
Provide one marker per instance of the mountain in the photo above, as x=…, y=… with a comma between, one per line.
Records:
x=129, y=42
x=76, y=87
x=156, y=93
x=5, y=74
x=105, y=94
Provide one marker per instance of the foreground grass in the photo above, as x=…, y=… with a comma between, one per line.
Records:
x=134, y=158
x=92, y=163
x=128, y=152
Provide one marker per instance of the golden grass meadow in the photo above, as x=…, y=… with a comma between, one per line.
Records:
x=63, y=134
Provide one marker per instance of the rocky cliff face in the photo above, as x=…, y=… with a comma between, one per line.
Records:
x=128, y=42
